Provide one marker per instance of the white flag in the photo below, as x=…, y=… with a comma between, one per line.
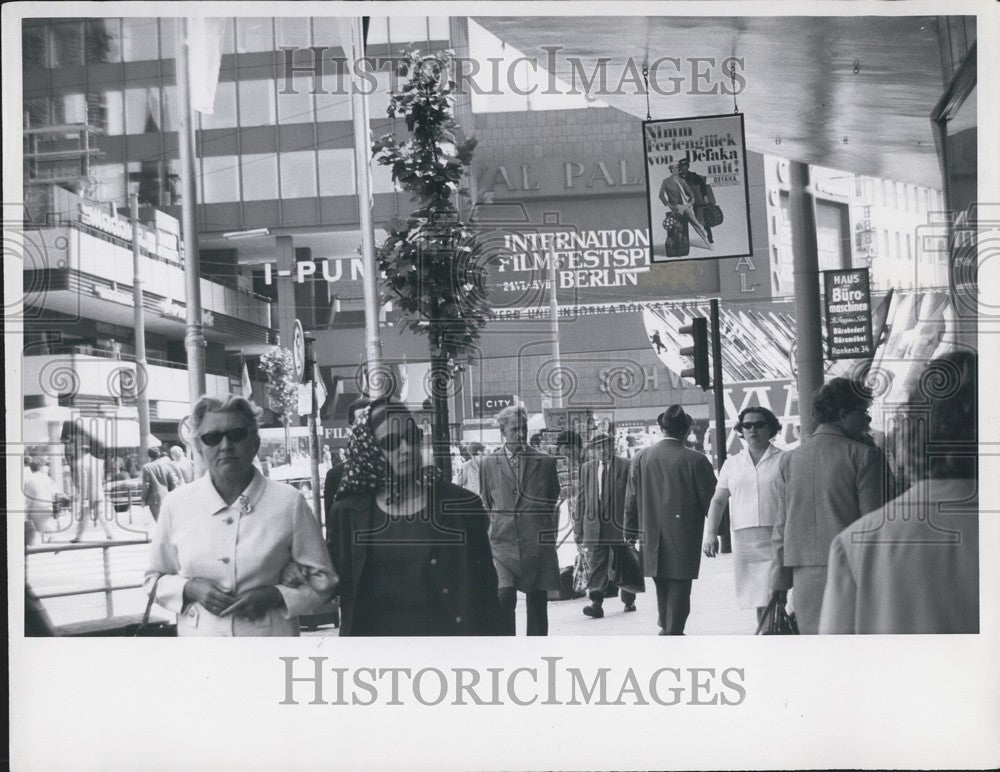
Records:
x=204, y=57
x=320, y=388
x=247, y=387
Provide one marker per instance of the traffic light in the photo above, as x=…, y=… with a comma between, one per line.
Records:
x=698, y=352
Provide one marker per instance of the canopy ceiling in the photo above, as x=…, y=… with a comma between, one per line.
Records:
x=803, y=99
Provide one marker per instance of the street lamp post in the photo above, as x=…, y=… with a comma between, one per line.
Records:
x=139, y=319
x=194, y=337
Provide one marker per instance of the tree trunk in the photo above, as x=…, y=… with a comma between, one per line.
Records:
x=441, y=440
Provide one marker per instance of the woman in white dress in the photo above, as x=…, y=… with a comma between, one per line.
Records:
x=750, y=484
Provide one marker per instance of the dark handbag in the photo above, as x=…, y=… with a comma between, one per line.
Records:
x=776, y=621
x=157, y=629
x=626, y=568
x=581, y=572
x=712, y=215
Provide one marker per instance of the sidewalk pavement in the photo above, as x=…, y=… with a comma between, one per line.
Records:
x=713, y=609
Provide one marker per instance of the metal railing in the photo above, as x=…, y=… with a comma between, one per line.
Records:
x=108, y=589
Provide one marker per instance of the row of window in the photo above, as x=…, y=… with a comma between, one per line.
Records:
x=152, y=108
x=899, y=195
x=230, y=178
x=72, y=42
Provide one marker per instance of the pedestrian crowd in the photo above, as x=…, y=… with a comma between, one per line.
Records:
x=832, y=531
x=89, y=472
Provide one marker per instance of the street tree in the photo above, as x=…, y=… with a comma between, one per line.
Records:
x=278, y=368
x=430, y=264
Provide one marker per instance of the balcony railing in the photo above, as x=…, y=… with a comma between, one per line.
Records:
x=74, y=370
x=78, y=247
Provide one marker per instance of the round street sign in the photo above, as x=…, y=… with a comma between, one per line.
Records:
x=299, y=350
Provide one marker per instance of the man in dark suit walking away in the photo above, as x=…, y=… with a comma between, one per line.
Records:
x=600, y=519
x=666, y=502
x=519, y=487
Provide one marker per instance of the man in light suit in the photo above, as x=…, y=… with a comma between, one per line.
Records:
x=159, y=477
x=666, y=502
x=184, y=467
x=88, y=482
x=913, y=565
x=677, y=196
x=519, y=487
x=600, y=518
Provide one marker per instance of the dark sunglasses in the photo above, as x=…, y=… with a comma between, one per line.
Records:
x=233, y=435
x=753, y=425
x=413, y=434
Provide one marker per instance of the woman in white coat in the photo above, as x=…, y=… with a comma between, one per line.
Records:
x=222, y=541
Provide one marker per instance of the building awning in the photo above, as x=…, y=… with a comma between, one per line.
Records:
x=110, y=430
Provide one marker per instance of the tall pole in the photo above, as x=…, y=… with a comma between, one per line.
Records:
x=362, y=162
x=718, y=389
x=194, y=336
x=139, y=320
x=314, y=451
x=554, y=328
x=805, y=267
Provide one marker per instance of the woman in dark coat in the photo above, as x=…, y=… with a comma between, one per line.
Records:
x=411, y=549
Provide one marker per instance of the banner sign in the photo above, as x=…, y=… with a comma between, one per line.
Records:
x=491, y=404
x=697, y=195
x=848, y=314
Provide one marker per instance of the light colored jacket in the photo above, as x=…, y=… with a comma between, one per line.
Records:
x=910, y=567
x=241, y=548
x=468, y=474
x=159, y=477
x=830, y=481
x=88, y=478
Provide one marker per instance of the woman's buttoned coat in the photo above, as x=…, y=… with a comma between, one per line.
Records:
x=241, y=546
x=460, y=567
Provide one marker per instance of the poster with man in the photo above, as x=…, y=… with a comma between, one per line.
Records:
x=696, y=188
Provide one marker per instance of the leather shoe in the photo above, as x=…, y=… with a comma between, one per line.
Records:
x=629, y=607
x=663, y=631
x=593, y=611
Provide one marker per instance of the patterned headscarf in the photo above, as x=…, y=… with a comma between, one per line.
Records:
x=366, y=468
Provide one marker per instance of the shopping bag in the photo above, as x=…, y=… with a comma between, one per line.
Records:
x=776, y=621
x=626, y=568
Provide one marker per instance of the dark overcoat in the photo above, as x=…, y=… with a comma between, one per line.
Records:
x=461, y=566
x=666, y=502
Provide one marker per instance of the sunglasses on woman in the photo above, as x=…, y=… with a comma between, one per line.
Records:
x=233, y=435
x=753, y=425
x=413, y=434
